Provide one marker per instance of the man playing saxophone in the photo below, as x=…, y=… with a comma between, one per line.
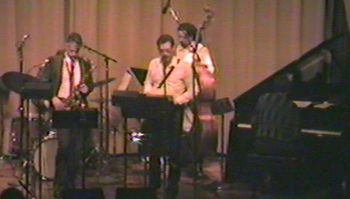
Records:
x=71, y=80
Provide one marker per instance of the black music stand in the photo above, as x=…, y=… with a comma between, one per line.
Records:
x=85, y=118
x=139, y=74
x=76, y=119
x=221, y=107
x=136, y=105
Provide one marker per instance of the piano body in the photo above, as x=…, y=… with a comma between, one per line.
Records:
x=316, y=84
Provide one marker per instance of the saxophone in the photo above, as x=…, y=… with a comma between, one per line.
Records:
x=75, y=100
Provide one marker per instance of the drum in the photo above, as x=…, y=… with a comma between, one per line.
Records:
x=15, y=133
x=49, y=146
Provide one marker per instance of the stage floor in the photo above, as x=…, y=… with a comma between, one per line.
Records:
x=110, y=176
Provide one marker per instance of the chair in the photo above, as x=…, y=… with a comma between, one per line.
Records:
x=275, y=158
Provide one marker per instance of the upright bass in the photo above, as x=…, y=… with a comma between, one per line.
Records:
x=208, y=130
x=205, y=126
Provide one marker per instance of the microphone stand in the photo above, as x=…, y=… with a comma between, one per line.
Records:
x=21, y=104
x=21, y=109
x=106, y=89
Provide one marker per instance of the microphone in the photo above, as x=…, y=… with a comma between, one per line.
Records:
x=166, y=7
x=174, y=15
x=42, y=64
x=25, y=37
x=23, y=41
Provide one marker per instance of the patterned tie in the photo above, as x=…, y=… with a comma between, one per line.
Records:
x=71, y=77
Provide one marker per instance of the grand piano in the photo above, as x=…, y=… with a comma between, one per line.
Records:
x=318, y=83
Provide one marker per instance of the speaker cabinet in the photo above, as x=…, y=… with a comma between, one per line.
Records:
x=92, y=193
x=136, y=193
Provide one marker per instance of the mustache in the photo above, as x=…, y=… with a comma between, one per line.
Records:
x=165, y=59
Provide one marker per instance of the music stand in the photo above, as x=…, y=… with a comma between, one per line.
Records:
x=86, y=118
x=221, y=107
x=136, y=105
x=139, y=74
x=77, y=119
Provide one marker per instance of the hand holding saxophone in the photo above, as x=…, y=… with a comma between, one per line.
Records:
x=83, y=88
x=75, y=100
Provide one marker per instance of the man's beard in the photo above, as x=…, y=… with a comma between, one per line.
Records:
x=166, y=59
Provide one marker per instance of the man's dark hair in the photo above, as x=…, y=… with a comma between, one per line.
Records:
x=75, y=37
x=165, y=38
x=189, y=28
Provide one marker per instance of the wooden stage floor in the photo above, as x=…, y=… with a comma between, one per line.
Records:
x=110, y=176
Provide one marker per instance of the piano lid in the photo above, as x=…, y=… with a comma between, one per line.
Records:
x=315, y=76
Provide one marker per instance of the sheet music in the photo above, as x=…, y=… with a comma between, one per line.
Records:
x=302, y=104
x=323, y=105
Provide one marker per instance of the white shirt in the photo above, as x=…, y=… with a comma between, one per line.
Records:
x=178, y=85
x=67, y=70
x=185, y=54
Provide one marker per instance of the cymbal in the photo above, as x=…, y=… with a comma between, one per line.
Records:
x=3, y=88
x=15, y=81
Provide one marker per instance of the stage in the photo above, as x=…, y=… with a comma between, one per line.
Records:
x=110, y=176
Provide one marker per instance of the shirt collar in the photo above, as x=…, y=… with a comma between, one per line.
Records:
x=174, y=61
x=189, y=47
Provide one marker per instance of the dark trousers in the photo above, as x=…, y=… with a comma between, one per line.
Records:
x=69, y=156
x=164, y=139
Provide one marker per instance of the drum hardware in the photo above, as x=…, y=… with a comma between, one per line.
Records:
x=91, y=158
x=29, y=88
x=14, y=81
